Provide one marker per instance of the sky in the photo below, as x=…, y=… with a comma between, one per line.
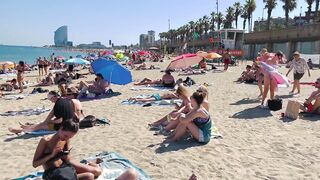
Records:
x=33, y=22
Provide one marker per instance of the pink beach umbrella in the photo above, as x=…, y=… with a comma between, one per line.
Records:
x=60, y=58
x=184, y=61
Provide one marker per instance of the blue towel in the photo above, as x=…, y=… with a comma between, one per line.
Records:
x=41, y=132
x=113, y=166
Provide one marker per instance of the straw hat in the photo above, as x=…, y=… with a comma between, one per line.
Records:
x=296, y=53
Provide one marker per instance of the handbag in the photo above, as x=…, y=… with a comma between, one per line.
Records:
x=275, y=104
x=87, y=122
x=292, y=110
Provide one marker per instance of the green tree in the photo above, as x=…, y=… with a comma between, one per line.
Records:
x=270, y=5
x=251, y=7
x=244, y=15
x=289, y=5
x=213, y=20
x=219, y=19
x=229, y=17
x=309, y=2
x=317, y=7
x=237, y=12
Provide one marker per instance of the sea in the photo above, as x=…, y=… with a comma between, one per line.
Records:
x=29, y=54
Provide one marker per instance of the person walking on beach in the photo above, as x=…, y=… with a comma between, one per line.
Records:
x=226, y=59
x=20, y=74
x=299, y=66
x=40, y=66
x=46, y=64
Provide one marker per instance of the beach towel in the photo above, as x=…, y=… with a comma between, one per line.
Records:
x=151, y=88
x=40, y=132
x=14, y=97
x=92, y=96
x=157, y=103
x=113, y=166
x=26, y=112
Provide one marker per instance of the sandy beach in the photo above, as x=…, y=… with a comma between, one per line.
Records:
x=256, y=144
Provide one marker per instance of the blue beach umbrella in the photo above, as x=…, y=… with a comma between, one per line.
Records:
x=112, y=71
x=77, y=61
x=79, y=56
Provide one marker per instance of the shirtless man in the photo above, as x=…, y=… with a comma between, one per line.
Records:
x=52, y=121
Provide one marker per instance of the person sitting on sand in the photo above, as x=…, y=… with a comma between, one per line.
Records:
x=203, y=64
x=100, y=86
x=197, y=122
x=63, y=108
x=173, y=122
x=247, y=76
x=9, y=86
x=48, y=81
x=53, y=153
x=167, y=80
x=315, y=96
x=183, y=94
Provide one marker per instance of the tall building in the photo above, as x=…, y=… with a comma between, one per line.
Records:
x=61, y=37
x=147, y=40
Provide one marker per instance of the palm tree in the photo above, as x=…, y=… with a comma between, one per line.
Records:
x=289, y=5
x=206, y=24
x=309, y=2
x=237, y=12
x=270, y=5
x=251, y=6
x=219, y=18
x=213, y=20
x=229, y=18
x=244, y=16
x=317, y=7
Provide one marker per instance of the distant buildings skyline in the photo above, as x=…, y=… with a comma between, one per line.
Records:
x=147, y=40
x=61, y=37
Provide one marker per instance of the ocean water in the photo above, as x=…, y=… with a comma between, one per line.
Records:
x=29, y=54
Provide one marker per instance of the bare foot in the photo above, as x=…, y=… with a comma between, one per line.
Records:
x=15, y=131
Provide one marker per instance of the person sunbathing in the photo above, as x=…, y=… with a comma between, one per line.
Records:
x=48, y=81
x=10, y=85
x=166, y=81
x=314, y=108
x=100, y=86
x=53, y=153
x=197, y=122
x=183, y=94
x=190, y=71
x=155, y=97
x=63, y=108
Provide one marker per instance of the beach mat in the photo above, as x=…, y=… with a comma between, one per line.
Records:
x=97, y=97
x=26, y=112
x=113, y=166
x=41, y=132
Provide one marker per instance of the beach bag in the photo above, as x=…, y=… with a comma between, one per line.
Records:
x=292, y=110
x=275, y=104
x=88, y=121
x=66, y=172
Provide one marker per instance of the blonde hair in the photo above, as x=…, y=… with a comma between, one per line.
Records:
x=203, y=89
x=182, y=90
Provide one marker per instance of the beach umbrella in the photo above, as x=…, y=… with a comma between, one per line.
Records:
x=202, y=54
x=77, y=61
x=112, y=71
x=143, y=53
x=60, y=57
x=79, y=56
x=184, y=61
x=119, y=56
x=213, y=56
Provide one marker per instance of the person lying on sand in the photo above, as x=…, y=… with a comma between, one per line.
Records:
x=183, y=94
x=314, y=108
x=48, y=81
x=63, y=108
x=190, y=71
x=167, y=80
x=197, y=122
x=100, y=86
x=53, y=153
x=173, y=123
x=9, y=86
x=156, y=97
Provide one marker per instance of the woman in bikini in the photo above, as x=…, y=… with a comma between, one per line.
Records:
x=64, y=108
x=197, y=121
x=183, y=94
x=167, y=80
x=20, y=75
x=46, y=64
x=40, y=66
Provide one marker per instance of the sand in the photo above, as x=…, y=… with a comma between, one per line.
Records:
x=255, y=143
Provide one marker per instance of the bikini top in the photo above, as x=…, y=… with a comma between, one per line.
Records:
x=200, y=120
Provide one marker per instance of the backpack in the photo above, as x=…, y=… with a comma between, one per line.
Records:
x=275, y=104
x=88, y=121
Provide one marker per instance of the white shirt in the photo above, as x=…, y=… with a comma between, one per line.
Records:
x=299, y=66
